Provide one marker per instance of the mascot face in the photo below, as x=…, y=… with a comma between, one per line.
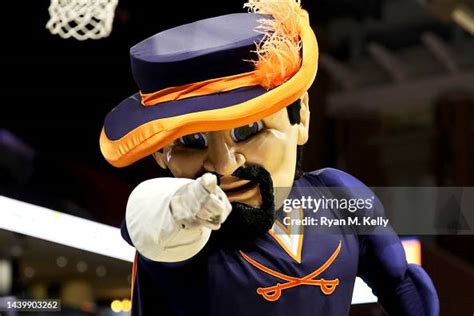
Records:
x=255, y=164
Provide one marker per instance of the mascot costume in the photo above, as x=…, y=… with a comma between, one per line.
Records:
x=223, y=105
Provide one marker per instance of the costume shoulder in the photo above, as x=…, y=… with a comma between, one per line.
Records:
x=335, y=177
x=344, y=185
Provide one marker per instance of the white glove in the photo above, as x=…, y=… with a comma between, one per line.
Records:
x=200, y=203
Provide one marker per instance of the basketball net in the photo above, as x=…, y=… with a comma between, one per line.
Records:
x=81, y=19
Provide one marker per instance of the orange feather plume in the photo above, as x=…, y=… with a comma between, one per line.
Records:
x=278, y=52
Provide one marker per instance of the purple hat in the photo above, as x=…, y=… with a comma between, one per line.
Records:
x=213, y=74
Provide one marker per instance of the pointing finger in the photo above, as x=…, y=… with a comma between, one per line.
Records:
x=208, y=181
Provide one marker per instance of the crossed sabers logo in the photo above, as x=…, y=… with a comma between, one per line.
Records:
x=273, y=293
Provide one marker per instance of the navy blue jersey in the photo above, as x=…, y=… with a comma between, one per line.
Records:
x=315, y=277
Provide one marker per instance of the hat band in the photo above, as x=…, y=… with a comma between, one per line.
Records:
x=202, y=88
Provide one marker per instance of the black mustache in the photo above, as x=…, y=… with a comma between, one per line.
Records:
x=257, y=175
x=252, y=173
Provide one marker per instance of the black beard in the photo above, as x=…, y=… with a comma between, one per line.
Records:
x=246, y=223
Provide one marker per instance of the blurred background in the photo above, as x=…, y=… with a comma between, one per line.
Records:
x=393, y=104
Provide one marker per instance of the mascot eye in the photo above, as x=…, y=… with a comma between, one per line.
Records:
x=197, y=140
x=245, y=132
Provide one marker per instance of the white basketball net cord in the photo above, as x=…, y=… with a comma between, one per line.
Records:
x=81, y=19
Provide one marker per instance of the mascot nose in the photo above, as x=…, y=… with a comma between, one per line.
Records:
x=221, y=157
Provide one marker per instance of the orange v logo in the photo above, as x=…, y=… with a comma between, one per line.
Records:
x=273, y=293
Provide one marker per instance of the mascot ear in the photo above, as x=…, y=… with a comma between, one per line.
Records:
x=303, y=126
x=160, y=159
